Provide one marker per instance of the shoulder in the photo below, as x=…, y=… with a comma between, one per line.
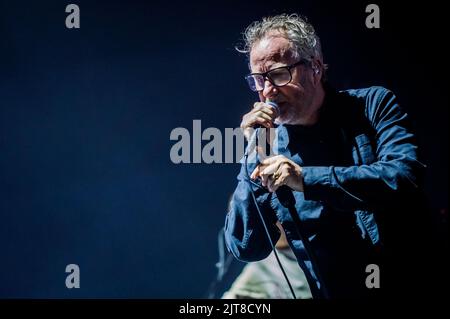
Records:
x=364, y=108
x=370, y=94
x=374, y=100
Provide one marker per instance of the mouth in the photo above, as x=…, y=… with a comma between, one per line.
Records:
x=281, y=112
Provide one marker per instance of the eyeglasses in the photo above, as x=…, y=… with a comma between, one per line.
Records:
x=278, y=77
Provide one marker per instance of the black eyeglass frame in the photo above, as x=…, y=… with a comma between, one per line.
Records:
x=266, y=75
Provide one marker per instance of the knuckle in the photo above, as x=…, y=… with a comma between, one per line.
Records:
x=257, y=106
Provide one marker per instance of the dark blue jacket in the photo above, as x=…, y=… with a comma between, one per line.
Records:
x=360, y=172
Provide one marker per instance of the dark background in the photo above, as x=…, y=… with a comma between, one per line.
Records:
x=86, y=115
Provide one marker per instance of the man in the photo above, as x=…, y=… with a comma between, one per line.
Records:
x=348, y=158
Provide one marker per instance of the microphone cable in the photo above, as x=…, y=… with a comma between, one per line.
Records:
x=250, y=183
x=287, y=199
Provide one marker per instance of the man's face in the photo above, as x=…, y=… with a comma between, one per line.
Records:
x=294, y=99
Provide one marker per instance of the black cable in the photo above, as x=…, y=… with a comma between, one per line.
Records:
x=265, y=225
x=287, y=199
x=308, y=251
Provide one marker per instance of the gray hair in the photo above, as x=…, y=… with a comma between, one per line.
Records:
x=297, y=30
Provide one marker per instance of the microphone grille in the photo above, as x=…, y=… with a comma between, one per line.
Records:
x=273, y=105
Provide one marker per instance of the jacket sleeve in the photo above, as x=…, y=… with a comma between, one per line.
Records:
x=391, y=175
x=245, y=235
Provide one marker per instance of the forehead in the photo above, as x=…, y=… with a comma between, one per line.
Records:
x=270, y=50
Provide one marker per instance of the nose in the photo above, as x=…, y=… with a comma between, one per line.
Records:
x=270, y=91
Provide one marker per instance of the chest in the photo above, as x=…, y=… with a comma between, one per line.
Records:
x=319, y=147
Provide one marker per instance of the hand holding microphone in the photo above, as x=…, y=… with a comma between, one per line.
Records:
x=263, y=114
x=276, y=172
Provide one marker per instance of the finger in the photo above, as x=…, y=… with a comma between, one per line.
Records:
x=257, y=105
x=285, y=172
x=269, y=110
x=280, y=181
x=270, y=185
x=270, y=169
x=262, y=121
x=271, y=182
x=267, y=175
x=264, y=179
x=251, y=119
x=266, y=108
x=264, y=115
x=272, y=159
x=255, y=173
x=260, y=115
x=274, y=180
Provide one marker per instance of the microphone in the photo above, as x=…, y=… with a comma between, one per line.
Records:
x=274, y=105
x=284, y=193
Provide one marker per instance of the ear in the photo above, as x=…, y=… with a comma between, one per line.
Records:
x=317, y=68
